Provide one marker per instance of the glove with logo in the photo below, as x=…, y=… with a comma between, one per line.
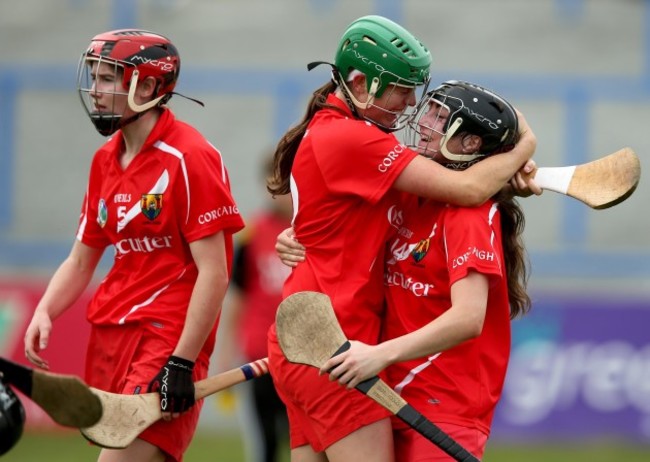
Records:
x=174, y=384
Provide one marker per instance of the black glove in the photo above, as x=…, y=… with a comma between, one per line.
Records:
x=175, y=385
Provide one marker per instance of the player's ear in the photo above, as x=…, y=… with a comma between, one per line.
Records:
x=359, y=84
x=147, y=88
x=471, y=143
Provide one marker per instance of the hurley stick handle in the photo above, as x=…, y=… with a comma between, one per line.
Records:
x=600, y=184
x=380, y=392
x=226, y=379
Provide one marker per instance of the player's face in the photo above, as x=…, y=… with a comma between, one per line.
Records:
x=431, y=127
x=386, y=109
x=107, y=92
x=432, y=131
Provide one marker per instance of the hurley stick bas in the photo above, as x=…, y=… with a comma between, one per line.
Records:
x=126, y=416
x=309, y=333
x=600, y=184
x=65, y=398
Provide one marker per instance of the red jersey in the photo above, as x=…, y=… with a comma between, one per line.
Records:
x=342, y=176
x=341, y=187
x=175, y=191
x=436, y=246
x=259, y=274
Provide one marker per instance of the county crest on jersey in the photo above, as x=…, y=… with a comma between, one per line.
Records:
x=151, y=205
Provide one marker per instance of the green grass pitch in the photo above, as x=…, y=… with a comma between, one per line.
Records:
x=70, y=446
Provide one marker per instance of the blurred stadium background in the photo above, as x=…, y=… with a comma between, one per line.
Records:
x=579, y=70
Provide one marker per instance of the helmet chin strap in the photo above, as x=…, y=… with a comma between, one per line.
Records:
x=371, y=94
x=351, y=99
x=131, y=98
x=450, y=155
x=140, y=109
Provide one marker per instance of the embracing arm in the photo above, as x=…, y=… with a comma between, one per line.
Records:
x=463, y=321
x=67, y=284
x=475, y=185
x=289, y=250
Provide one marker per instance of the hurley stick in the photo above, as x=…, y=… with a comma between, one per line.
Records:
x=309, y=333
x=600, y=184
x=65, y=398
x=126, y=416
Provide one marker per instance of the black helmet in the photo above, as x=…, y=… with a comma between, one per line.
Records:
x=474, y=110
x=12, y=418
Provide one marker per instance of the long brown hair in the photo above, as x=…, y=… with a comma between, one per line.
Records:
x=513, y=222
x=515, y=256
x=287, y=147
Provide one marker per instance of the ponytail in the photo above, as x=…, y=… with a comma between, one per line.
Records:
x=285, y=152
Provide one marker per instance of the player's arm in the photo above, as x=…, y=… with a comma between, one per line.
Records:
x=463, y=321
x=473, y=186
x=209, y=291
x=228, y=352
x=67, y=284
x=174, y=381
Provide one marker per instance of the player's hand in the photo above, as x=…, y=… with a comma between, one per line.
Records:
x=37, y=337
x=523, y=184
x=290, y=251
x=353, y=366
x=175, y=385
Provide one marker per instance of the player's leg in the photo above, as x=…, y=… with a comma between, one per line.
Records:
x=138, y=451
x=371, y=442
x=306, y=454
x=410, y=446
x=123, y=359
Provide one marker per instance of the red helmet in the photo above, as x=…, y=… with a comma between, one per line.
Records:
x=151, y=54
x=138, y=54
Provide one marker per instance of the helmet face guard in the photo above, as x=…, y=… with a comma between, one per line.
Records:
x=12, y=418
x=462, y=108
x=133, y=56
x=387, y=55
x=399, y=117
x=107, y=120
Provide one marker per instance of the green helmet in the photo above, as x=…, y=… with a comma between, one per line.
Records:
x=385, y=52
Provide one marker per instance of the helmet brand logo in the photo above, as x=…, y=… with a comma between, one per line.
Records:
x=366, y=60
x=153, y=62
x=481, y=118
